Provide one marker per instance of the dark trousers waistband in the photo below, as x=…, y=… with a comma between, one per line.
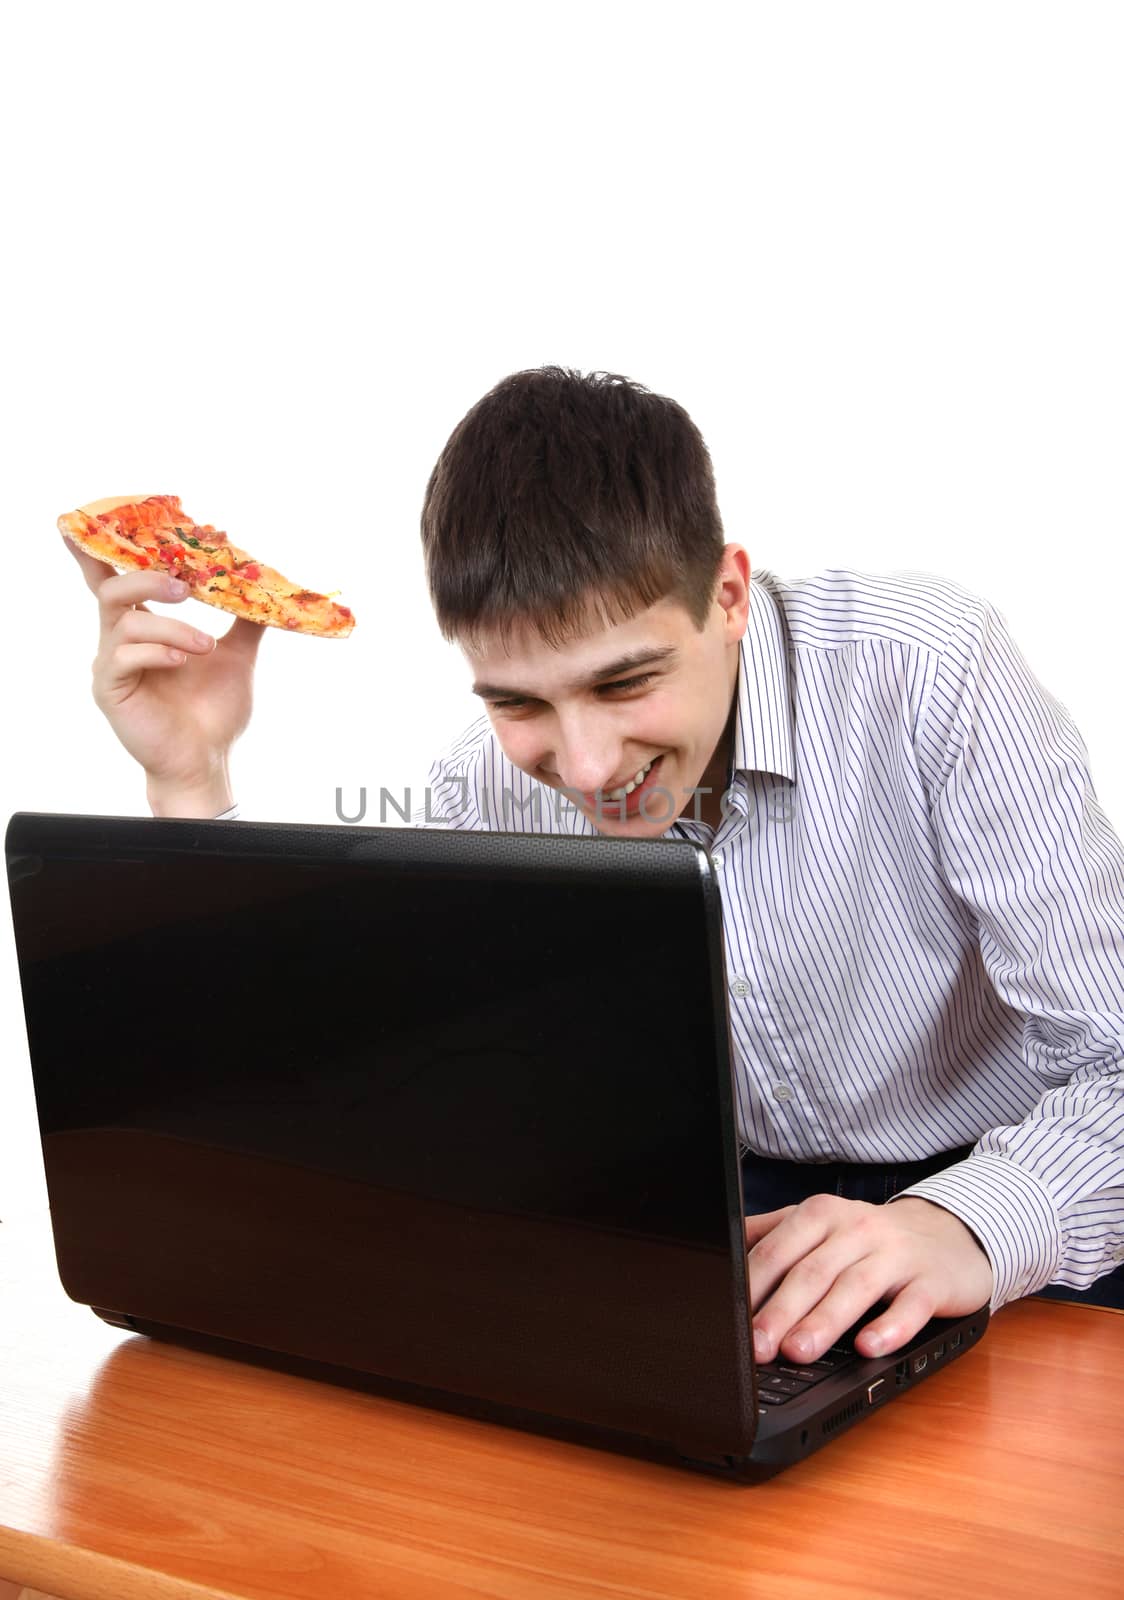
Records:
x=769, y=1183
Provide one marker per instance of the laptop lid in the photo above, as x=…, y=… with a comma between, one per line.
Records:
x=450, y=1108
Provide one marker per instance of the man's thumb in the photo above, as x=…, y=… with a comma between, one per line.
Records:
x=244, y=636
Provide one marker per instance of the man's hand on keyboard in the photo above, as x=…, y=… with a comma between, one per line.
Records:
x=816, y=1267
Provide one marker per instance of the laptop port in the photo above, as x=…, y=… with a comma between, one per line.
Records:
x=920, y=1363
x=901, y=1372
x=954, y=1341
x=938, y=1352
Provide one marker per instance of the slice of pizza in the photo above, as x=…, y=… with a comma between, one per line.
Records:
x=155, y=531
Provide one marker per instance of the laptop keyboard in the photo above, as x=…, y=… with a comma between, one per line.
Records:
x=781, y=1380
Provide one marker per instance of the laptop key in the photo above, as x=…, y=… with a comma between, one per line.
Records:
x=805, y=1374
x=773, y=1380
x=836, y=1357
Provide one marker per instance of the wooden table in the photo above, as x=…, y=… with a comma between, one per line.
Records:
x=131, y=1469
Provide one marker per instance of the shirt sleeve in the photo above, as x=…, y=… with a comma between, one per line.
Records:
x=1028, y=851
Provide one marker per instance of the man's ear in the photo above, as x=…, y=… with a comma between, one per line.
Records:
x=732, y=593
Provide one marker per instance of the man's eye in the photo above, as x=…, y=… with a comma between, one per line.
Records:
x=514, y=703
x=628, y=683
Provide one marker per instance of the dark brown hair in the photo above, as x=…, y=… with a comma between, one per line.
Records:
x=560, y=491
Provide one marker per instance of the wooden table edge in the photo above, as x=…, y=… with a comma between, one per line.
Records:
x=70, y=1572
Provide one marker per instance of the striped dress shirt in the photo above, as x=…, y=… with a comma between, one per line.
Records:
x=923, y=907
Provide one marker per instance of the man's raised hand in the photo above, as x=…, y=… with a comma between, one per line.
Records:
x=176, y=697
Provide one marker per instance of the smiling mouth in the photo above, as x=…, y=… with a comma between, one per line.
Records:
x=625, y=800
x=633, y=783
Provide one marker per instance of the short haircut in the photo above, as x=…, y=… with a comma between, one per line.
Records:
x=561, y=495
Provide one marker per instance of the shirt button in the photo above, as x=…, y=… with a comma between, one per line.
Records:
x=740, y=987
x=781, y=1091
x=717, y=857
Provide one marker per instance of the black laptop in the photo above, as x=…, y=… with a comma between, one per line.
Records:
x=446, y=1116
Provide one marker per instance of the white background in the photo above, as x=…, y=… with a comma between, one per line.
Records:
x=266, y=258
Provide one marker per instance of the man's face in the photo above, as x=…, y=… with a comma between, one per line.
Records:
x=648, y=697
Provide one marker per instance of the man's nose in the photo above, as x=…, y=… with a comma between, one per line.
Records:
x=586, y=757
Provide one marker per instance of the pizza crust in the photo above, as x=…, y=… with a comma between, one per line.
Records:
x=97, y=507
x=159, y=535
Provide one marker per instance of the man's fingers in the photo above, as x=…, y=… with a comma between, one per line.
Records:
x=906, y=1315
x=811, y=1311
x=120, y=592
x=791, y=1240
x=824, y=1293
x=95, y=572
x=763, y=1222
x=794, y=1269
x=125, y=591
x=124, y=666
x=766, y=1264
x=138, y=625
x=142, y=640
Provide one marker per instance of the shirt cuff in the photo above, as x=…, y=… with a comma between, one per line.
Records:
x=1011, y=1214
x=226, y=816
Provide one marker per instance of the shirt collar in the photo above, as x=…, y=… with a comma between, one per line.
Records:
x=763, y=735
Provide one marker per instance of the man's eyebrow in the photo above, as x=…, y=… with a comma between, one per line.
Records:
x=612, y=669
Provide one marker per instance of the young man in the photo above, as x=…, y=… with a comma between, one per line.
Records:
x=923, y=903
